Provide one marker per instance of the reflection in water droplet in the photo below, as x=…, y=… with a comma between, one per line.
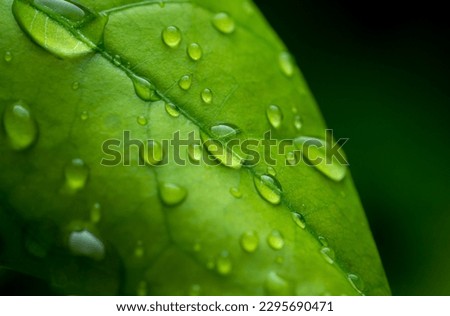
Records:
x=84, y=243
x=268, y=188
x=274, y=115
x=144, y=89
x=286, y=63
x=171, y=36
x=8, y=57
x=223, y=263
x=276, y=285
x=328, y=254
x=356, y=282
x=275, y=240
x=142, y=120
x=207, y=96
x=172, y=194
x=223, y=23
x=172, y=110
x=96, y=213
x=185, y=82
x=194, y=51
x=20, y=126
x=152, y=152
x=76, y=174
x=249, y=241
x=235, y=192
x=298, y=219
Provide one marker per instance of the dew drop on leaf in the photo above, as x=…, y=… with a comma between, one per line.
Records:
x=298, y=122
x=172, y=194
x=194, y=51
x=96, y=213
x=75, y=85
x=286, y=63
x=20, y=125
x=275, y=240
x=84, y=115
x=207, y=96
x=299, y=220
x=223, y=263
x=291, y=158
x=356, y=282
x=84, y=243
x=223, y=23
x=274, y=115
x=142, y=120
x=235, y=192
x=276, y=285
x=8, y=57
x=117, y=60
x=271, y=171
x=152, y=152
x=76, y=174
x=195, y=152
x=268, y=188
x=323, y=241
x=172, y=109
x=171, y=36
x=224, y=131
x=144, y=89
x=249, y=241
x=328, y=254
x=185, y=82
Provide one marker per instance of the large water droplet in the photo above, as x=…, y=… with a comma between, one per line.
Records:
x=274, y=115
x=275, y=240
x=268, y=187
x=318, y=154
x=84, y=243
x=328, y=254
x=249, y=241
x=298, y=219
x=172, y=110
x=172, y=194
x=152, y=152
x=235, y=192
x=76, y=174
x=185, y=82
x=171, y=36
x=276, y=285
x=286, y=63
x=8, y=57
x=20, y=126
x=144, y=89
x=61, y=27
x=194, y=51
x=223, y=23
x=217, y=149
x=223, y=263
x=207, y=96
x=96, y=213
x=356, y=282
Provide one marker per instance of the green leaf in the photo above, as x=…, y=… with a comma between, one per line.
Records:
x=82, y=83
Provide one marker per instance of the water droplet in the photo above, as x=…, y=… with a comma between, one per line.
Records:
x=323, y=241
x=223, y=23
x=171, y=36
x=75, y=85
x=328, y=254
x=76, y=174
x=223, y=263
x=96, y=213
x=57, y=26
x=117, y=60
x=298, y=122
x=8, y=57
x=194, y=290
x=142, y=120
x=286, y=63
x=249, y=241
x=142, y=289
x=291, y=158
x=271, y=171
x=195, y=152
x=221, y=153
x=276, y=285
x=274, y=115
x=275, y=240
x=84, y=243
x=84, y=115
x=185, y=82
x=268, y=187
x=207, y=96
x=172, y=194
x=299, y=219
x=194, y=51
x=318, y=154
x=139, y=250
x=224, y=131
x=20, y=125
x=356, y=282
x=235, y=192
x=144, y=89
x=172, y=110
x=152, y=152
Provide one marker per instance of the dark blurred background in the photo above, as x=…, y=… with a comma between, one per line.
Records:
x=380, y=74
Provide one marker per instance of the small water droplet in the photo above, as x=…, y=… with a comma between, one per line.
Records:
x=172, y=194
x=223, y=263
x=276, y=285
x=224, y=23
x=328, y=254
x=142, y=289
x=356, y=282
x=117, y=60
x=76, y=174
x=8, y=57
x=298, y=122
x=249, y=241
x=84, y=115
x=269, y=188
x=235, y=192
x=144, y=89
x=142, y=120
x=194, y=290
x=96, y=213
x=20, y=125
x=286, y=63
x=195, y=152
x=84, y=243
x=275, y=240
x=274, y=115
x=194, y=51
x=152, y=152
x=271, y=171
x=75, y=85
x=185, y=82
x=291, y=158
x=207, y=96
x=224, y=131
x=299, y=219
x=323, y=241
x=171, y=36
x=139, y=250
x=172, y=110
